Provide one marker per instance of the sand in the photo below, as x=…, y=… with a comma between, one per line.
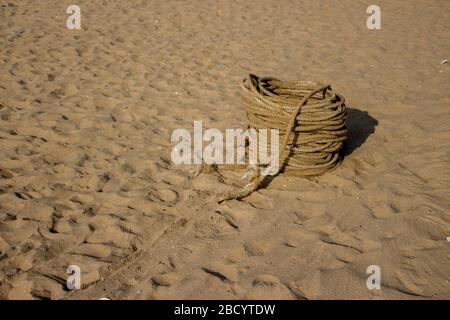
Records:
x=86, y=176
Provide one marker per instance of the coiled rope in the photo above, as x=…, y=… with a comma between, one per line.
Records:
x=310, y=118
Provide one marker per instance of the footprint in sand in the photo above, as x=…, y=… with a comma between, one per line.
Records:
x=237, y=254
x=166, y=279
x=256, y=248
x=165, y=195
x=226, y=273
x=266, y=286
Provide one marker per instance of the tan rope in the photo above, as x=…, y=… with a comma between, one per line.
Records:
x=310, y=118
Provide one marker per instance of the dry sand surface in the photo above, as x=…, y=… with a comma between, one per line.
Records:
x=86, y=176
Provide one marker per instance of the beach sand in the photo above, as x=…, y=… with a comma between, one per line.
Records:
x=86, y=176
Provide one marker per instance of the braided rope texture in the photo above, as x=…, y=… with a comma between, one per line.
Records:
x=310, y=118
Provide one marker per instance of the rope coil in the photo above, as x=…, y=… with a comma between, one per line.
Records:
x=310, y=118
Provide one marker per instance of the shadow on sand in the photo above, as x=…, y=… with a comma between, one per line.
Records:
x=360, y=125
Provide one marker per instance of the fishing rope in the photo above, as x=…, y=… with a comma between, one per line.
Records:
x=310, y=118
